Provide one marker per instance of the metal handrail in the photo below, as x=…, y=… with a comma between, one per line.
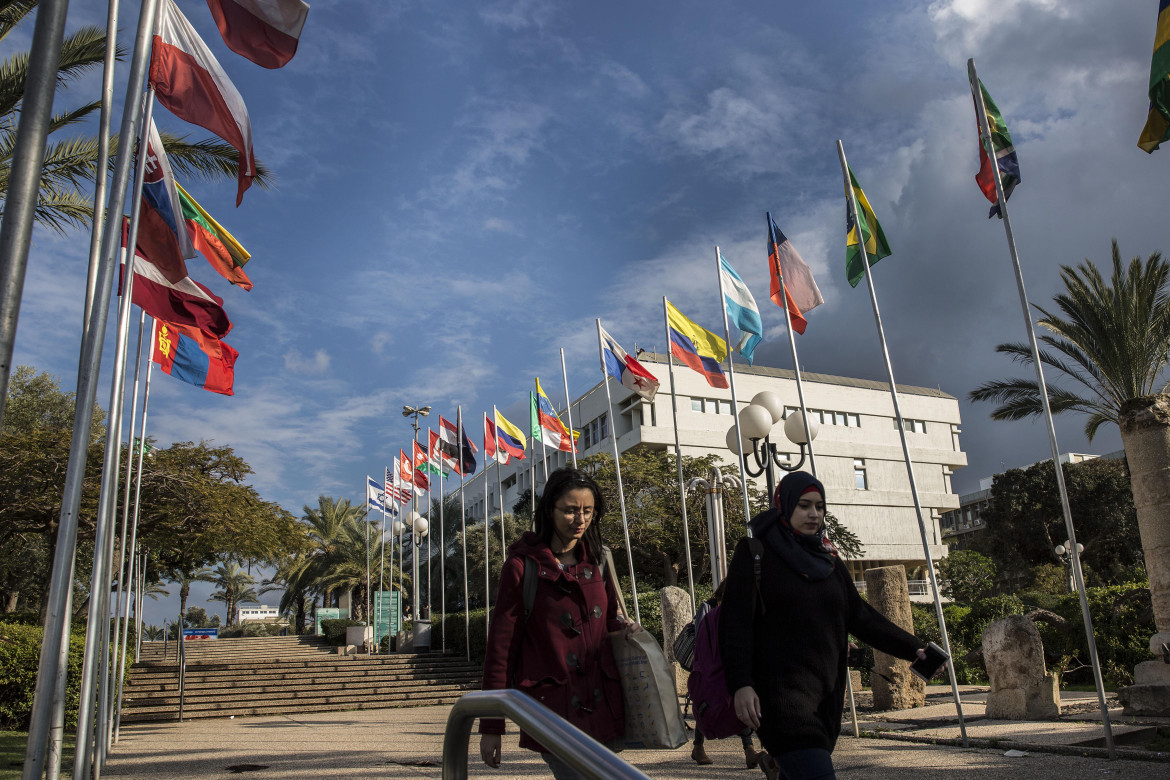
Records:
x=576, y=748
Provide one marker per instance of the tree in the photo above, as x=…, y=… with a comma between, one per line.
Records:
x=340, y=541
x=69, y=166
x=235, y=588
x=1025, y=521
x=966, y=576
x=183, y=578
x=152, y=633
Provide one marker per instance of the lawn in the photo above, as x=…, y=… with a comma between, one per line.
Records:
x=12, y=745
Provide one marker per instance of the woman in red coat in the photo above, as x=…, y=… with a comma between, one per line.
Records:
x=561, y=656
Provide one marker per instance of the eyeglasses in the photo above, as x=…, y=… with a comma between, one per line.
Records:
x=578, y=511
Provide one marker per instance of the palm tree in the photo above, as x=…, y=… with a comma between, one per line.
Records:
x=70, y=165
x=152, y=633
x=295, y=581
x=234, y=588
x=183, y=578
x=337, y=535
x=1113, y=343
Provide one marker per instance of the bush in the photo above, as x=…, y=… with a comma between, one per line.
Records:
x=334, y=630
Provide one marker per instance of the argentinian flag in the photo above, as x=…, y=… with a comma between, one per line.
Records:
x=741, y=310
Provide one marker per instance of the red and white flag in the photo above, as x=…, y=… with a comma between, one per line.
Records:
x=189, y=81
x=264, y=31
x=491, y=450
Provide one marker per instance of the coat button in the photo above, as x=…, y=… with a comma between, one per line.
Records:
x=575, y=702
x=589, y=573
x=597, y=694
x=571, y=660
x=596, y=610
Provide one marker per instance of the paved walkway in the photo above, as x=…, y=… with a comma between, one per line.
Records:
x=407, y=743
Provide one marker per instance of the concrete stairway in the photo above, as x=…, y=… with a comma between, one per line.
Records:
x=276, y=675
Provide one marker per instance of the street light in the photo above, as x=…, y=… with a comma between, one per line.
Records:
x=755, y=423
x=1064, y=553
x=421, y=625
x=415, y=411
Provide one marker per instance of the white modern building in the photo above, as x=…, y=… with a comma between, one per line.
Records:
x=261, y=613
x=858, y=452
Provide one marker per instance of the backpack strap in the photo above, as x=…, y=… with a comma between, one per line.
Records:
x=529, y=588
x=757, y=550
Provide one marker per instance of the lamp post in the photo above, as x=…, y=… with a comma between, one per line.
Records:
x=755, y=425
x=421, y=627
x=1064, y=553
x=397, y=529
x=416, y=412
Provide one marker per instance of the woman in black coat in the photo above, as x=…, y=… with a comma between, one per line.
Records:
x=784, y=649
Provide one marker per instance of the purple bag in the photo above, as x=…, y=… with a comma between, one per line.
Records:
x=714, y=710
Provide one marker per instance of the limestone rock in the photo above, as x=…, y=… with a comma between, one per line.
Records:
x=1021, y=687
x=894, y=687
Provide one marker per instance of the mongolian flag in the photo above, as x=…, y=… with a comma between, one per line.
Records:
x=192, y=356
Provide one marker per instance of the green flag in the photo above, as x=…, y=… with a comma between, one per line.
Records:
x=1157, y=129
x=534, y=417
x=876, y=246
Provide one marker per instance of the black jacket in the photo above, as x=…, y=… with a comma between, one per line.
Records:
x=794, y=651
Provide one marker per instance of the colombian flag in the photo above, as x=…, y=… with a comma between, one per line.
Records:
x=510, y=438
x=192, y=356
x=696, y=346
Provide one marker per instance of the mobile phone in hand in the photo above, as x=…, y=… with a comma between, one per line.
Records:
x=927, y=668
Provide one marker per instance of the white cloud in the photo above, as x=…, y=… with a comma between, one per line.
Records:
x=316, y=364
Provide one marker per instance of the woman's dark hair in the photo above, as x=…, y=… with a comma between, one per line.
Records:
x=560, y=482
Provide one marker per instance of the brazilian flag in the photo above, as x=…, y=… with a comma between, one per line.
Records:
x=876, y=246
x=1157, y=127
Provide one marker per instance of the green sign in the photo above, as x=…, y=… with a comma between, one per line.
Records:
x=326, y=613
x=387, y=614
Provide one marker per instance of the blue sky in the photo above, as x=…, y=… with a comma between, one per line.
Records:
x=463, y=187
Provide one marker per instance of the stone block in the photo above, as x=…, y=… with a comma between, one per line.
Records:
x=1152, y=673
x=1021, y=688
x=676, y=613
x=1145, y=699
x=894, y=687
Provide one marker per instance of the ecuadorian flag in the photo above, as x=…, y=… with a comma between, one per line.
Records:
x=696, y=346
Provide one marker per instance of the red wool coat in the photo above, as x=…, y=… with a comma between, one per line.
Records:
x=563, y=657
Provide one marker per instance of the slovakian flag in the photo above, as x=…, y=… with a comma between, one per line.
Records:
x=508, y=435
x=264, y=31
x=190, y=355
x=491, y=450
x=183, y=303
x=162, y=232
x=548, y=426
x=785, y=263
x=210, y=238
x=741, y=309
x=618, y=364
x=188, y=80
x=460, y=456
x=697, y=347
x=1005, y=155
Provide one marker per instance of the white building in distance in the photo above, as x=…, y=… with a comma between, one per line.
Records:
x=858, y=452
x=261, y=613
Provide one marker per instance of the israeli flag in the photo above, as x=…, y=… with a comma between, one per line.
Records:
x=375, y=495
x=741, y=310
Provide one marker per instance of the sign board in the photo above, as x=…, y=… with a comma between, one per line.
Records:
x=326, y=613
x=200, y=633
x=387, y=614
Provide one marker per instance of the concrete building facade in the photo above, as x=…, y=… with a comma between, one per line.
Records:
x=858, y=452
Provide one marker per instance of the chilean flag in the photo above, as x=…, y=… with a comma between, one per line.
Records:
x=162, y=230
x=189, y=81
x=190, y=355
x=626, y=369
x=264, y=31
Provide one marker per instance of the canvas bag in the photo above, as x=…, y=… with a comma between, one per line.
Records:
x=653, y=717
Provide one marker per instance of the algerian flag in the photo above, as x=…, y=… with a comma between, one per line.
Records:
x=876, y=246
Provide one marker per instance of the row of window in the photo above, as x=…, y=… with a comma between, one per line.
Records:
x=594, y=431
x=825, y=417
x=911, y=426
x=710, y=406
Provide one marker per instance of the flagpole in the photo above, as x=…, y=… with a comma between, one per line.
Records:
x=852, y=202
x=812, y=462
x=381, y=574
x=1042, y=387
x=442, y=555
x=463, y=528
x=487, y=560
x=532, y=483
x=90, y=745
x=618, y=472
x=57, y=608
x=568, y=409
x=747, y=510
x=430, y=521
x=132, y=568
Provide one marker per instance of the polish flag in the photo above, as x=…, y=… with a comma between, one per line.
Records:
x=189, y=81
x=264, y=31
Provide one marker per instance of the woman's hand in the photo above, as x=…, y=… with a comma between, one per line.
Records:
x=489, y=749
x=747, y=706
x=922, y=653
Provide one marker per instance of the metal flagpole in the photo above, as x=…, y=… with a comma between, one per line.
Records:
x=500, y=495
x=812, y=462
x=381, y=572
x=442, y=557
x=90, y=735
x=132, y=569
x=543, y=455
x=57, y=617
x=568, y=409
x=25, y=174
x=430, y=522
x=366, y=523
x=463, y=528
x=487, y=562
x=532, y=483
x=1042, y=387
x=125, y=560
x=678, y=454
x=747, y=510
x=617, y=464
x=852, y=204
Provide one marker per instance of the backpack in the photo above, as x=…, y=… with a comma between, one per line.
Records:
x=715, y=714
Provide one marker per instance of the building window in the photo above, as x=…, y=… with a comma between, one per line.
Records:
x=859, y=479
x=912, y=426
x=725, y=407
x=697, y=405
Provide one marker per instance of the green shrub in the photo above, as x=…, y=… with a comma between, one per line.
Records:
x=457, y=633
x=334, y=630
